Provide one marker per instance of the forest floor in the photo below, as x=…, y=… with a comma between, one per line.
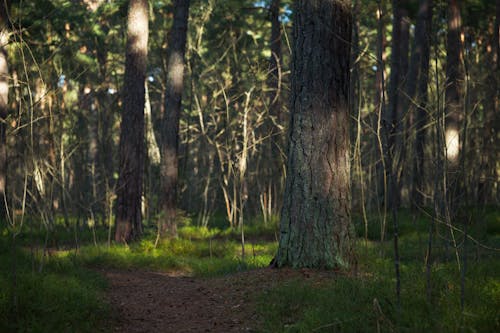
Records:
x=144, y=301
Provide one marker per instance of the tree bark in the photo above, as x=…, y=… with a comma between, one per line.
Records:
x=129, y=187
x=315, y=226
x=170, y=122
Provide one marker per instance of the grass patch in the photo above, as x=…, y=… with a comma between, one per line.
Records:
x=62, y=298
x=205, y=257
x=368, y=303
x=66, y=295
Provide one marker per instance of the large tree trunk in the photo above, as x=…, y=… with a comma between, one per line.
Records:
x=129, y=187
x=170, y=122
x=315, y=220
x=4, y=105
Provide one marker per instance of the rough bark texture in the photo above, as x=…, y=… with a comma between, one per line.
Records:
x=315, y=220
x=129, y=187
x=4, y=95
x=170, y=122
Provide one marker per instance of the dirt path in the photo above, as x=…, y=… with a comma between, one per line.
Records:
x=173, y=302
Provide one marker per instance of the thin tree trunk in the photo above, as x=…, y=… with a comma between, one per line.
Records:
x=490, y=149
x=129, y=187
x=274, y=161
x=391, y=117
x=315, y=222
x=379, y=103
x=400, y=130
x=275, y=60
x=170, y=123
x=419, y=72
x=354, y=82
x=453, y=100
x=392, y=137
x=4, y=105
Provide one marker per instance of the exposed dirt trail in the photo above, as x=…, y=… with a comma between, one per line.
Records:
x=174, y=302
x=162, y=302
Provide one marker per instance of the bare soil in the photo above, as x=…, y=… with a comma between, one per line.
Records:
x=176, y=302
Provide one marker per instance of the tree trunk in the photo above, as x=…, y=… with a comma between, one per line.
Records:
x=129, y=187
x=275, y=60
x=454, y=79
x=271, y=156
x=401, y=131
x=170, y=122
x=391, y=117
x=419, y=72
x=355, y=70
x=490, y=150
x=379, y=109
x=4, y=104
x=315, y=220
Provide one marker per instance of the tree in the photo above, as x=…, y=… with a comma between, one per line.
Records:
x=129, y=186
x=419, y=71
x=4, y=96
x=315, y=228
x=272, y=163
x=170, y=123
x=392, y=117
x=454, y=78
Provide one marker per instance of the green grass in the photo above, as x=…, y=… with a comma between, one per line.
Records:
x=368, y=302
x=62, y=298
x=199, y=257
x=67, y=295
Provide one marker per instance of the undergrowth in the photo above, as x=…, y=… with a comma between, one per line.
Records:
x=60, y=290
x=367, y=302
